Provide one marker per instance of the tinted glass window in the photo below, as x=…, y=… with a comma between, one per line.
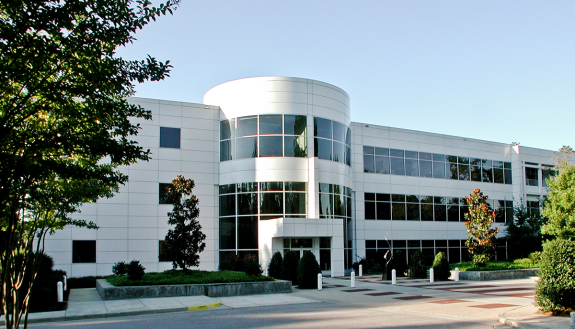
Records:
x=438, y=169
x=246, y=147
x=170, y=137
x=225, y=131
x=247, y=204
x=425, y=168
x=338, y=152
x=228, y=233
x=397, y=166
x=247, y=232
x=339, y=132
x=295, y=146
x=382, y=165
x=322, y=128
x=396, y=153
x=163, y=193
x=323, y=148
x=83, y=251
x=225, y=150
x=270, y=124
x=368, y=150
x=369, y=210
x=227, y=205
x=411, y=154
x=368, y=165
x=247, y=126
x=295, y=124
x=411, y=168
x=383, y=210
x=295, y=203
x=271, y=146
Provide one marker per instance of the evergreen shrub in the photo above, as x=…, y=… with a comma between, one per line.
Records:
x=289, y=270
x=307, y=271
x=135, y=270
x=440, y=267
x=556, y=286
x=276, y=264
x=120, y=268
x=417, y=268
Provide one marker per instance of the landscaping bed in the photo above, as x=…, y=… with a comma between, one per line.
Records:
x=186, y=277
x=497, y=270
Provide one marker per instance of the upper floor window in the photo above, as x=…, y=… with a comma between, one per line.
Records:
x=271, y=135
x=422, y=164
x=332, y=140
x=531, y=176
x=170, y=137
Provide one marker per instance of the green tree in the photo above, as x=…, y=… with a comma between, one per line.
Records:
x=560, y=204
x=481, y=240
x=307, y=271
x=184, y=243
x=276, y=265
x=65, y=122
x=523, y=233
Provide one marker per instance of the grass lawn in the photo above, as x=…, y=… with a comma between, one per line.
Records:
x=186, y=277
x=497, y=265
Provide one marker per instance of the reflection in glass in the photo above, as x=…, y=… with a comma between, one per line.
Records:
x=508, y=179
x=426, y=212
x=411, y=167
x=338, y=205
x=396, y=153
x=487, y=171
x=368, y=165
x=475, y=173
x=412, y=211
x=339, y=132
x=498, y=175
x=338, y=152
x=463, y=172
x=453, y=213
x=398, y=211
x=247, y=126
x=295, y=146
x=425, y=168
x=225, y=150
x=325, y=205
x=271, y=186
x=322, y=128
x=397, y=166
x=382, y=165
x=452, y=170
x=295, y=203
x=225, y=130
x=323, y=148
x=384, y=210
x=438, y=169
x=271, y=203
x=246, y=147
x=440, y=212
x=271, y=146
x=295, y=125
x=227, y=205
x=270, y=124
x=247, y=203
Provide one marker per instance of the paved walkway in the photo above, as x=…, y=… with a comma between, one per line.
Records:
x=507, y=301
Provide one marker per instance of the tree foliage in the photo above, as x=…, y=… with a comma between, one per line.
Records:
x=560, y=204
x=65, y=123
x=481, y=240
x=307, y=271
x=276, y=265
x=523, y=232
x=556, y=286
x=440, y=267
x=184, y=243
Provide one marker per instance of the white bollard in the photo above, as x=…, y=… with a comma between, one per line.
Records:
x=393, y=277
x=60, y=286
x=457, y=274
x=353, y=279
x=65, y=283
x=360, y=270
x=319, y=282
x=572, y=320
x=431, y=276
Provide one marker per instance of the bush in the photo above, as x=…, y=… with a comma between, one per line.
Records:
x=120, y=268
x=397, y=263
x=441, y=267
x=43, y=296
x=248, y=264
x=535, y=256
x=307, y=271
x=135, y=270
x=367, y=265
x=417, y=268
x=556, y=286
x=276, y=264
x=289, y=270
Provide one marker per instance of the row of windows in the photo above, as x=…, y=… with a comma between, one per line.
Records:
x=334, y=201
x=456, y=250
x=273, y=135
x=269, y=199
x=332, y=141
x=532, y=175
x=379, y=206
x=421, y=164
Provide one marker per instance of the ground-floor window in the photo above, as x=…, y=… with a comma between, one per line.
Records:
x=83, y=251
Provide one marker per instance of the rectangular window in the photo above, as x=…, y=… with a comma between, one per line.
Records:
x=170, y=137
x=323, y=148
x=83, y=251
x=163, y=193
x=228, y=233
x=271, y=124
x=368, y=165
x=161, y=257
x=322, y=128
x=532, y=176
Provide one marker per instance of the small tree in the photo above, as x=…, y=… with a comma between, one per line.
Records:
x=276, y=264
x=183, y=243
x=417, y=268
x=307, y=271
x=481, y=241
x=523, y=232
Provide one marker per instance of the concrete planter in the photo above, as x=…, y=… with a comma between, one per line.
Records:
x=497, y=275
x=108, y=291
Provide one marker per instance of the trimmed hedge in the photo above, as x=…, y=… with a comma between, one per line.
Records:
x=307, y=271
x=276, y=264
x=289, y=270
x=440, y=267
x=556, y=286
x=417, y=268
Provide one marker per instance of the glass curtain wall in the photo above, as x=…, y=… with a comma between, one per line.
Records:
x=387, y=161
x=335, y=201
x=271, y=135
x=332, y=140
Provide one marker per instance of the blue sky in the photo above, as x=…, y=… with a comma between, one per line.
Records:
x=501, y=71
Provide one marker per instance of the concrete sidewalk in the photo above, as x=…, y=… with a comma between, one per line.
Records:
x=506, y=301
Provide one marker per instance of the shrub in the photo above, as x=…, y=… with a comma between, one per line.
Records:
x=120, y=268
x=397, y=263
x=556, y=286
x=535, y=256
x=307, y=271
x=368, y=266
x=230, y=263
x=417, y=268
x=276, y=264
x=441, y=267
x=250, y=265
x=289, y=270
x=43, y=296
x=135, y=270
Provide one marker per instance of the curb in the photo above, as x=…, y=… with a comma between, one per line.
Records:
x=516, y=323
x=119, y=314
